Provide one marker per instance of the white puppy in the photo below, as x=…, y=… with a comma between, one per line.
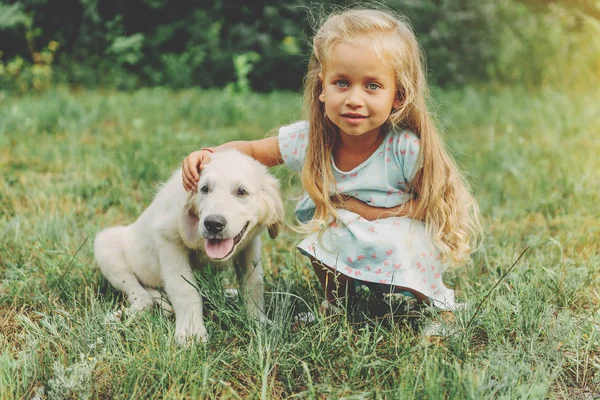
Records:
x=237, y=198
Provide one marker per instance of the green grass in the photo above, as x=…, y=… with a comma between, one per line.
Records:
x=74, y=162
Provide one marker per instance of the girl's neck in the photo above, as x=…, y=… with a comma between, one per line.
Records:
x=351, y=151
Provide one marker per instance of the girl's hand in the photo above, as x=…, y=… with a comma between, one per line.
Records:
x=191, y=168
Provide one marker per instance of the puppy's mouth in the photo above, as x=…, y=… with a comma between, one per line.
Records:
x=219, y=248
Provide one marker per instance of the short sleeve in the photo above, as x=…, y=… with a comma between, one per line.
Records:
x=293, y=141
x=406, y=149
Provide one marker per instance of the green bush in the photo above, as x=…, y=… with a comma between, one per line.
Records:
x=128, y=44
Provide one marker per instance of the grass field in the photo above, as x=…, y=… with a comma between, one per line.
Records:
x=74, y=162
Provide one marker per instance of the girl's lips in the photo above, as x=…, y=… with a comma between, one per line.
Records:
x=353, y=119
x=354, y=116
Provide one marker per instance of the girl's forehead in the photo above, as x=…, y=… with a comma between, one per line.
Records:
x=358, y=56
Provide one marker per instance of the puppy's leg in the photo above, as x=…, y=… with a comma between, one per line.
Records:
x=179, y=287
x=250, y=276
x=109, y=252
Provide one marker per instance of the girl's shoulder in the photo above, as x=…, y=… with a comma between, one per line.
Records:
x=405, y=147
x=296, y=127
x=405, y=136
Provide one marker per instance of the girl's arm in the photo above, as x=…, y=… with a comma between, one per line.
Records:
x=266, y=151
x=372, y=213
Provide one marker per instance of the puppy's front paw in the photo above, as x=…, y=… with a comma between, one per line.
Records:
x=188, y=330
x=185, y=337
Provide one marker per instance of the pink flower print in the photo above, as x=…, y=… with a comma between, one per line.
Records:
x=302, y=135
x=416, y=141
x=343, y=176
x=412, y=152
x=388, y=149
x=286, y=145
x=372, y=229
x=423, y=270
x=388, y=274
x=333, y=224
x=391, y=140
x=360, y=257
x=285, y=157
x=302, y=146
x=386, y=263
x=295, y=151
x=389, y=192
x=433, y=286
x=438, y=257
x=340, y=188
x=422, y=254
x=357, y=273
x=354, y=175
x=432, y=267
x=403, y=152
x=368, y=267
x=293, y=136
x=430, y=254
x=397, y=266
x=349, y=259
x=438, y=275
x=374, y=255
x=383, y=281
x=349, y=270
x=311, y=248
x=424, y=280
x=419, y=264
x=406, y=136
x=388, y=159
x=389, y=252
x=379, y=271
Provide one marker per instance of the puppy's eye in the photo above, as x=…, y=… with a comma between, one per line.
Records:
x=204, y=189
x=241, y=192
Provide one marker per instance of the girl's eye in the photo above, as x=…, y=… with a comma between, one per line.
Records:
x=241, y=192
x=373, y=86
x=342, y=84
x=204, y=189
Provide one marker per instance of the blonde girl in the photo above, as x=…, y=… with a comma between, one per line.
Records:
x=384, y=203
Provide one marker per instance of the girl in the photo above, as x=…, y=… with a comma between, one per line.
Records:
x=384, y=203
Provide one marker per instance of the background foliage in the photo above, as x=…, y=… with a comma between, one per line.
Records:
x=263, y=46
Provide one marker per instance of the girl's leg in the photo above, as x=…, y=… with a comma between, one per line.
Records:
x=421, y=298
x=336, y=285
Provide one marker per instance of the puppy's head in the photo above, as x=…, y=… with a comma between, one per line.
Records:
x=236, y=199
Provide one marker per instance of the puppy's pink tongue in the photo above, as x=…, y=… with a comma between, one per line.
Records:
x=218, y=248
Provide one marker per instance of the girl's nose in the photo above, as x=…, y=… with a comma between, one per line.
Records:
x=354, y=98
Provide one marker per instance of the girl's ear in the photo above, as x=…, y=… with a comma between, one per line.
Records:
x=322, y=95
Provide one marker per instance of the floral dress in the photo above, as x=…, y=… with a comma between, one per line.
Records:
x=394, y=251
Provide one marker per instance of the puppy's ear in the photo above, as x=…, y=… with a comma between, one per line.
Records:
x=188, y=222
x=273, y=207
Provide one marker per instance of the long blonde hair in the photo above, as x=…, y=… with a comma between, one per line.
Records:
x=446, y=206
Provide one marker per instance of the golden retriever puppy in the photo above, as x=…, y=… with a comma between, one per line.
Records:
x=237, y=198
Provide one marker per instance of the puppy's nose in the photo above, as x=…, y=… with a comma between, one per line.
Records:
x=215, y=223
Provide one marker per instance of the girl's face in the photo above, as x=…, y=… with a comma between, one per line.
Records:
x=359, y=91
